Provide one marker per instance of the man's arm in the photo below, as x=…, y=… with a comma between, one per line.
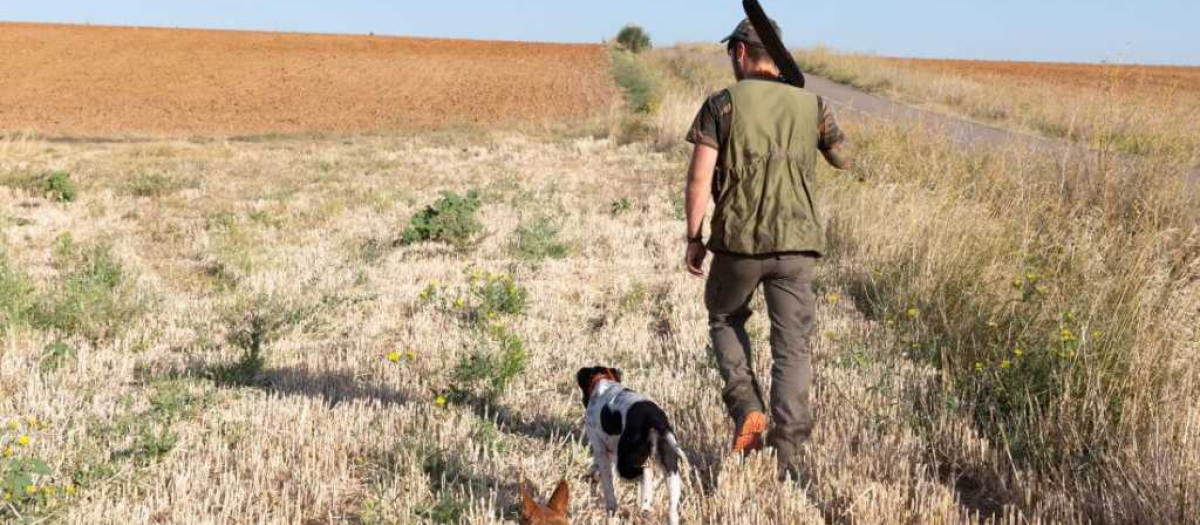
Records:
x=699, y=187
x=834, y=145
x=696, y=195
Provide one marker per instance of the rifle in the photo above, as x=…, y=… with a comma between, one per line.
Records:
x=770, y=39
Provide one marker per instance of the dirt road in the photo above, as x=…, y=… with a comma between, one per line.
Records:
x=847, y=98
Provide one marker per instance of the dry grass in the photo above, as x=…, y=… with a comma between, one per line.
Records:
x=294, y=240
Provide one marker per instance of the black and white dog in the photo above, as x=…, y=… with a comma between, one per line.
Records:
x=625, y=429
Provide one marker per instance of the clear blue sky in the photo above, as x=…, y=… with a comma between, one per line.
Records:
x=1145, y=31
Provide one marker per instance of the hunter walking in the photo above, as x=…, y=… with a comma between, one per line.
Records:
x=756, y=145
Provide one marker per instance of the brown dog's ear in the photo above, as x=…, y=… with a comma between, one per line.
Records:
x=561, y=500
x=617, y=373
x=529, y=507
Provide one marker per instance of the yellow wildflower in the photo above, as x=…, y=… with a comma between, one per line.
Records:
x=71, y=490
x=8, y=452
x=834, y=298
x=30, y=489
x=1018, y=284
x=50, y=489
x=458, y=303
x=440, y=401
x=913, y=313
x=1019, y=352
x=1032, y=277
x=1097, y=333
x=14, y=425
x=979, y=367
x=7, y=496
x=1006, y=364
x=23, y=440
x=394, y=357
x=1043, y=290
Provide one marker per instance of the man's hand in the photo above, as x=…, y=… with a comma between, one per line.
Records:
x=696, y=253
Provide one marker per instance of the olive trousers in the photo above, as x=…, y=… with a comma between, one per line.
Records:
x=786, y=280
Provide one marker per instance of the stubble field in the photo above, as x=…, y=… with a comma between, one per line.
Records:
x=228, y=331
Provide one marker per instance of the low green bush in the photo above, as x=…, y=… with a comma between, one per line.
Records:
x=450, y=220
x=497, y=359
x=59, y=187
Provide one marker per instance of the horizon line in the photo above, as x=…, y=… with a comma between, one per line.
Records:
x=372, y=34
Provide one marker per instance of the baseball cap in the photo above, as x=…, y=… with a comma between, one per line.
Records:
x=745, y=33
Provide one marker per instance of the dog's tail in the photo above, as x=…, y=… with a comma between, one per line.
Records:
x=667, y=448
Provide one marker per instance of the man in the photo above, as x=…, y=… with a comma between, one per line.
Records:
x=755, y=154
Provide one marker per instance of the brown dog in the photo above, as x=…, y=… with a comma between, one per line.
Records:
x=553, y=513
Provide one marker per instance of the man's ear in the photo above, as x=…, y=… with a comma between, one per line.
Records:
x=529, y=507
x=560, y=502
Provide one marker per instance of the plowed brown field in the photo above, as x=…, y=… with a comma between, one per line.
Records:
x=60, y=79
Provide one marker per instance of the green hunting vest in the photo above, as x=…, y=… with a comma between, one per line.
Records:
x=763, y=191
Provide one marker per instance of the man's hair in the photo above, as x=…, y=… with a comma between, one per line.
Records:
x=754, y=53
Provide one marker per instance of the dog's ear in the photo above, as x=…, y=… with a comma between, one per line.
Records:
x=561, y=500
x=617, y=374
x=529, y=507
x=584, y=378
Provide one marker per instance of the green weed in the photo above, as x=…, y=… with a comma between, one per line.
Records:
x=251, y=326
x=93, y=297
x=620, y=206
x=538, y=239
x=27, y=488
x=152, y=185
x=58, y=187
x=16, y=296
x=497, y=358
x=639, y=82
x=55, y=354
x=450, y=220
